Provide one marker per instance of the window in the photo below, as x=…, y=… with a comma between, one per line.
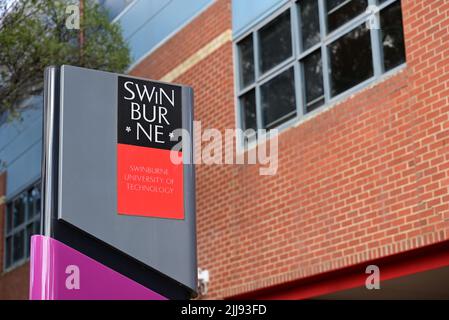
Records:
x=313, y=81
x=341, y=11
x=248, y=102
x=22, y=221
x=266, y=84
x=278, y=99
x=392, y=36
x=246, y=55
x=275, y=42
x=310, y=53
x=310, y=23
x=351, y=60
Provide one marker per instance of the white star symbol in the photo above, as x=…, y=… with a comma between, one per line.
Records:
x=128, y=129
x=171, y=135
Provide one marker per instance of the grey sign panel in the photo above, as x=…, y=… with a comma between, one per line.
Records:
x=87, y=188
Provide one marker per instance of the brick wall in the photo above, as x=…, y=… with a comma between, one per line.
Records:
x=367, y=178
x=13, y=284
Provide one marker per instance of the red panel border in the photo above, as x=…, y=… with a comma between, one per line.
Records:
x=402, y=264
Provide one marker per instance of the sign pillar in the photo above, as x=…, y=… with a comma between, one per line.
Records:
x=118, y=217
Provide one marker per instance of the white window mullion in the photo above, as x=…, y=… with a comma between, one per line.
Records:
x=324, y=51
x=375, y=38
x=257, y=75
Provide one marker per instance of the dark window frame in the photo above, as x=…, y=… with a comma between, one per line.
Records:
x=31, y=218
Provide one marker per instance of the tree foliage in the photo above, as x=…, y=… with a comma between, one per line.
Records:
x=34, y=35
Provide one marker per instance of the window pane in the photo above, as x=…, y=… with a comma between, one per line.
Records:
x=275, y=42
x=8, y=253
x=310, y=23
x=18, y=245
x=19, y=211
x=332, y=4
x=29, y=233
x=37, y=199
x=246, y=56
x=30, y=204
x=392, y=36
x=313, y=77
x=248, y=105
x=341, y=11
x=9, y=212
x=278, y=99
x=351, y=60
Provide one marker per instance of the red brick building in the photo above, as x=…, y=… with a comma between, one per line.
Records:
x=362, y=179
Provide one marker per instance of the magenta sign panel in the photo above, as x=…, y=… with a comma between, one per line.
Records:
x=58, y=272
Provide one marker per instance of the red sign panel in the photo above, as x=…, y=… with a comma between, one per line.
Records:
x=148, y=183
